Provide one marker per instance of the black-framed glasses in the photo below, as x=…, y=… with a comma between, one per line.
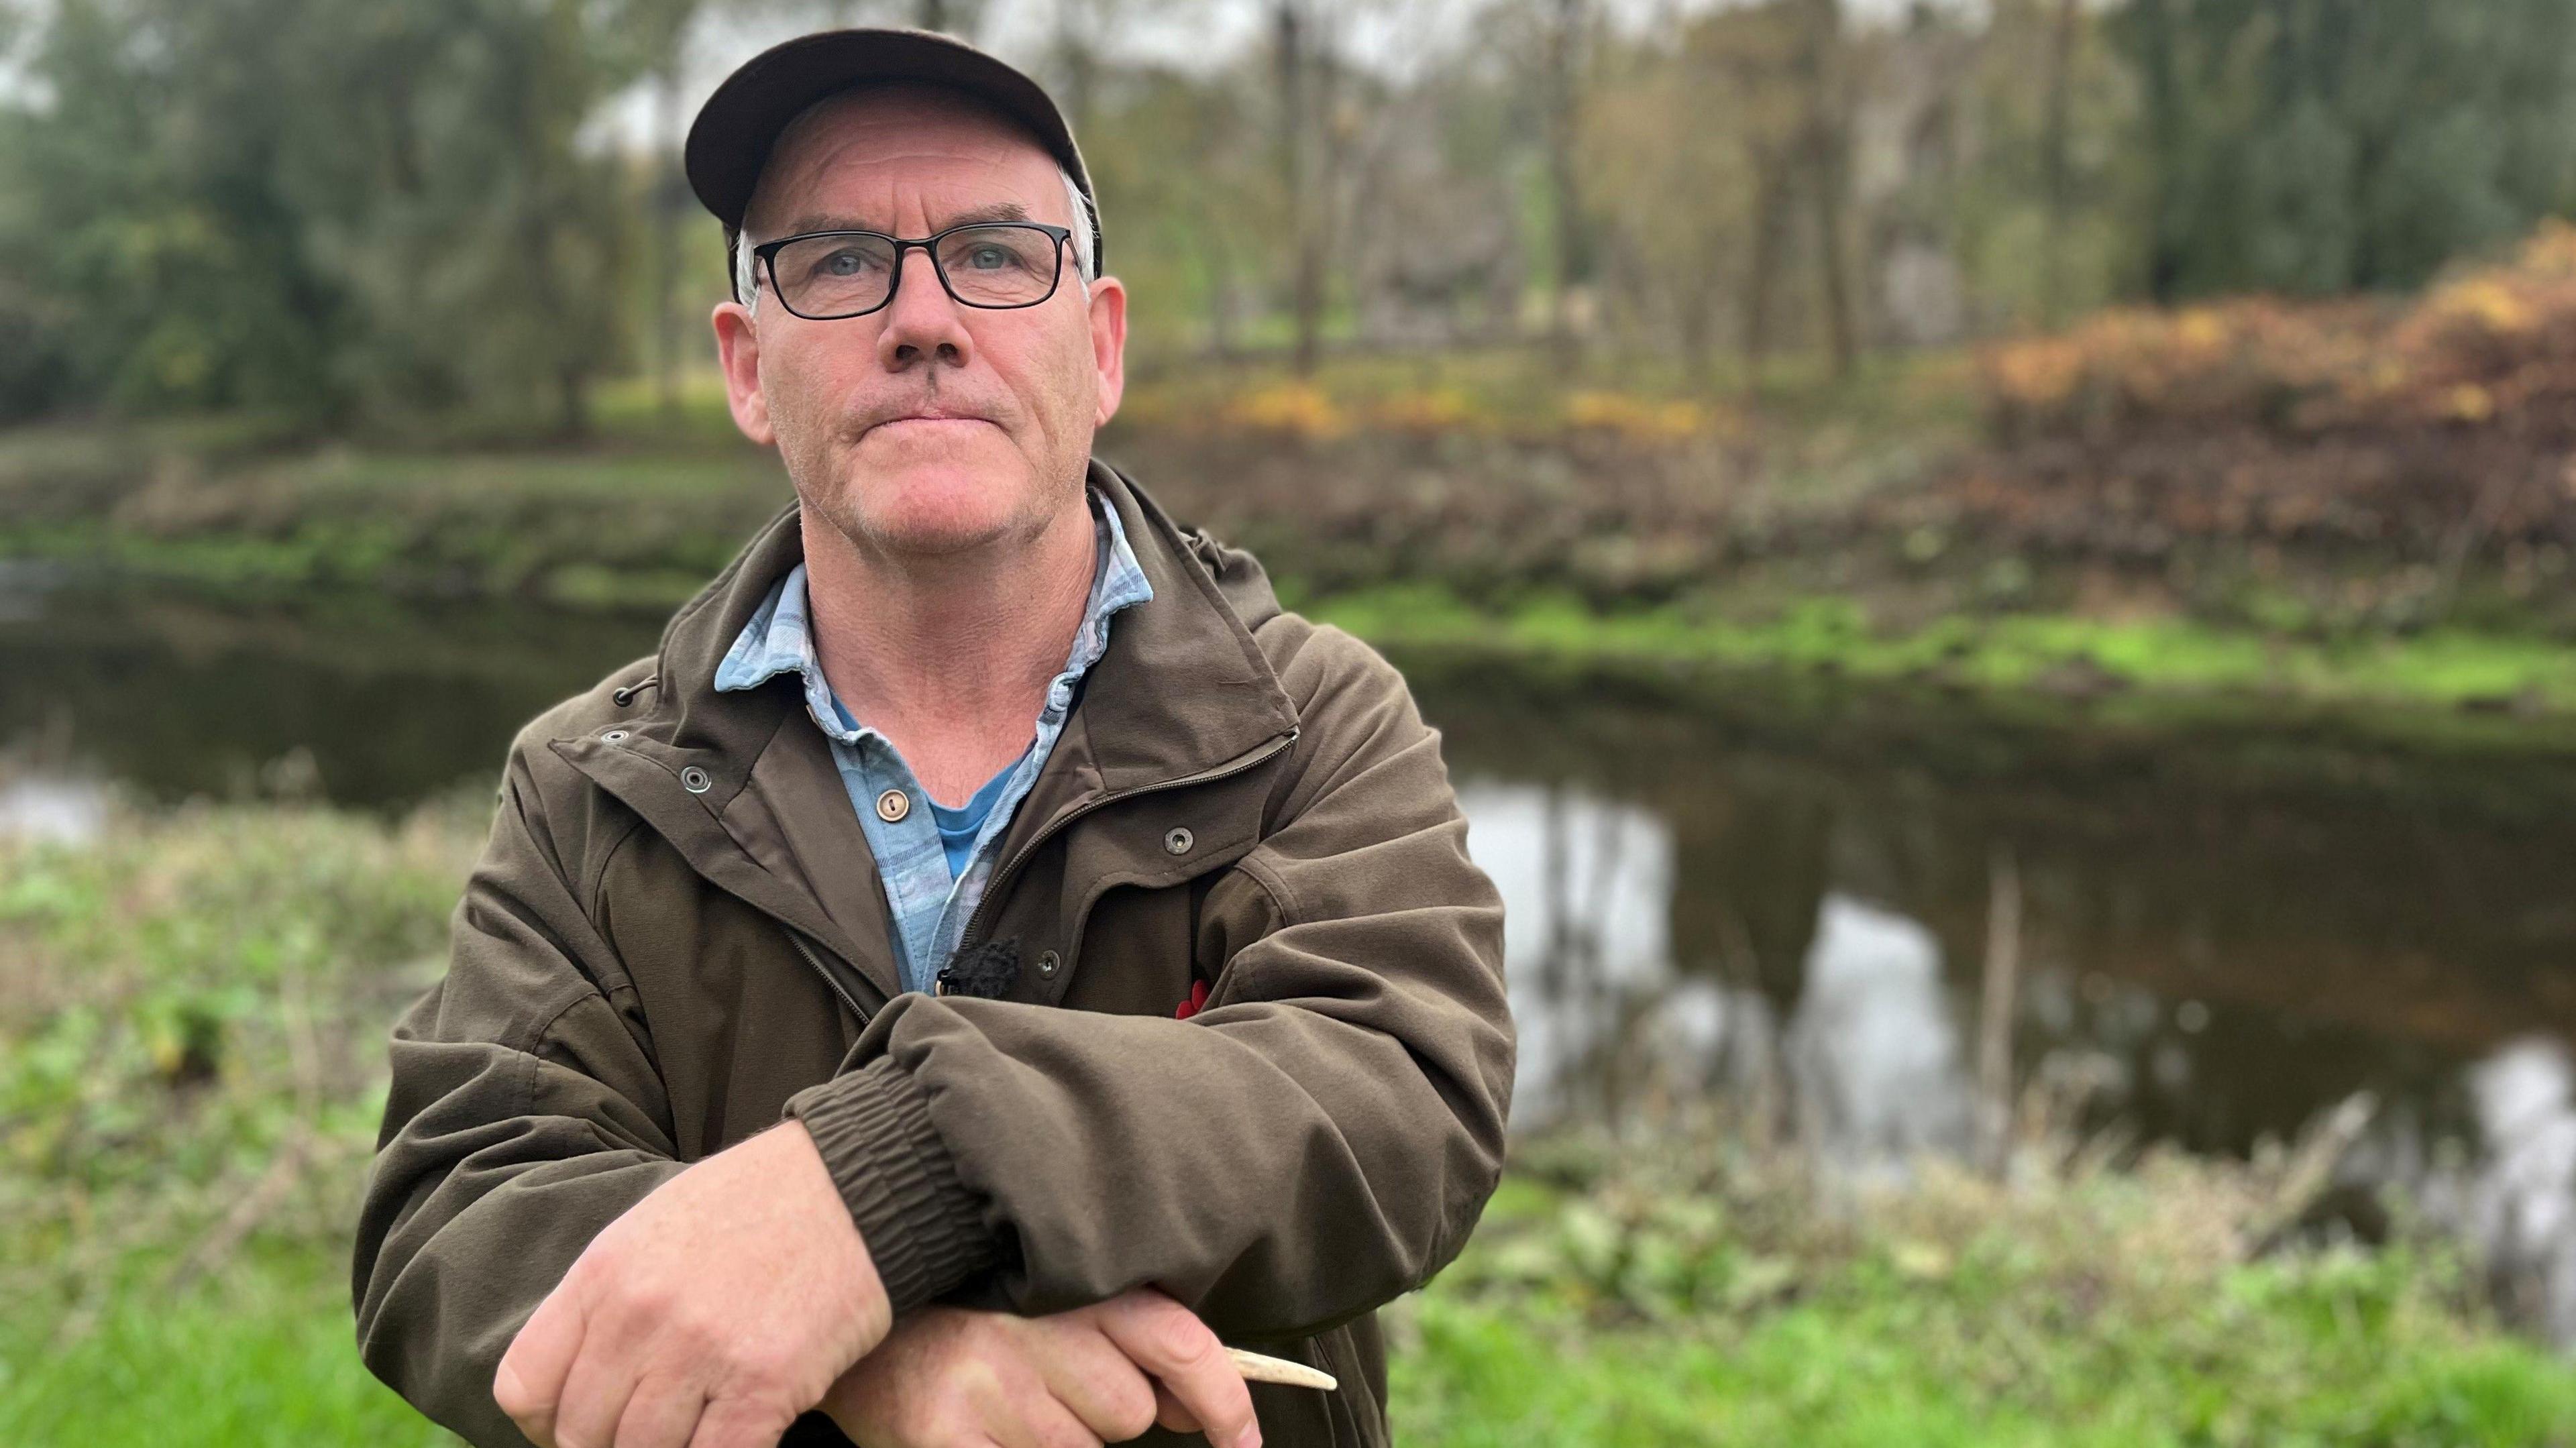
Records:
x=824, y=276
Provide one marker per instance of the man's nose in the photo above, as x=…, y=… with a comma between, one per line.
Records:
x=922, y=320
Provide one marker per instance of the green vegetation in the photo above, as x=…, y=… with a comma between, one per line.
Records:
x=413, y=219
x=1468, y=542
x=1631, y=1301
x=2440, y=687
x=192, y=1017
x=190, y=1073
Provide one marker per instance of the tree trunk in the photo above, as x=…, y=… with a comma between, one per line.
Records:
x=1296, y=150
x=1563, y=64
x=1770, y=228
x=2165, y=142
x=1827, y=148
x=2054, y=143
x=1079, y=57
x=663, y=195
x=572, y=386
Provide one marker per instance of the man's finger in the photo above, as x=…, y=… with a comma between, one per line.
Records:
x=1090, y=1374
x=663, y=1414
x=595, y=1394
x=741, y=1422
x=1053, y=1425
x=529, y=1382
x=1169, y=1412
x=1168, y=1340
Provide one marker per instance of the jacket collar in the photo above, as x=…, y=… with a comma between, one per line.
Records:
x=1181, y=687
x=744, y=787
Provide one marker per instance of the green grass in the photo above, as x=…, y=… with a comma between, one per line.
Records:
x=2442, y=685
x=1721, y=1302
x=263, y=1357
x=1863, y=1376
x=199, y=989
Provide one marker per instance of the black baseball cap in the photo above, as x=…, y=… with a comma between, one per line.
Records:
x=730, y=140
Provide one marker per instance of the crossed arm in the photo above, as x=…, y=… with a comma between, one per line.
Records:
x=533, y=1260
x=717, y=1309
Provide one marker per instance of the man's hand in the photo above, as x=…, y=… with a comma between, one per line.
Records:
x=948, y=1377
x=708, y=1316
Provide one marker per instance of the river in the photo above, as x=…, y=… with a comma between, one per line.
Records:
x=1789, y=902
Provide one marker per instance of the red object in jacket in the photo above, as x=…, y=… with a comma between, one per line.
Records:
x=1190, y=1007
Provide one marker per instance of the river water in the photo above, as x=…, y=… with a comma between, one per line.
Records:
x=1786, y=901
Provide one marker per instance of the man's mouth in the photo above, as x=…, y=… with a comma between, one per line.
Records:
x=938, y=417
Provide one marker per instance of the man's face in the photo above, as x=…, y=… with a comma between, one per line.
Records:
x=1015, y=395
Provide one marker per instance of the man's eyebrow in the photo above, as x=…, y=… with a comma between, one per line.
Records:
x=990, y=211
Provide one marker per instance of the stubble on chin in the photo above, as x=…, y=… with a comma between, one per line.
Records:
x=833, y=496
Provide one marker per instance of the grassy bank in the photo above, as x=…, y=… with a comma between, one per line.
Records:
x=1722, y=1302
x=1854, y=531
x=192, y=1010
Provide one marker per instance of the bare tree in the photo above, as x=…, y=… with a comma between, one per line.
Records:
x=1298, y=56
x=2056, y=185
x=662, y=28
x=1827, y=163
x=1564, y=100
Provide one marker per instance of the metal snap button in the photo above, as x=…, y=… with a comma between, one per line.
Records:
x=1178, y=842
x=613, y=736
x=695, y=780
x=1048, y=960
x=893, y=805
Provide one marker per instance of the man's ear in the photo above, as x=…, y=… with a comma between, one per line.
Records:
x=1108, y=345
x=738, y=348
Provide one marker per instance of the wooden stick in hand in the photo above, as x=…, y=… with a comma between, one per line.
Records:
x=1259, y=1369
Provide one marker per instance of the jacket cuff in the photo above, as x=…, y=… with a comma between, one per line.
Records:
x=923, y=1228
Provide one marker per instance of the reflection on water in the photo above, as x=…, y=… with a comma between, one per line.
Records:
x=1750, y=901
x=2518, y=1202
x=1872, y=1053
x=1806, y=940
x=49, y=807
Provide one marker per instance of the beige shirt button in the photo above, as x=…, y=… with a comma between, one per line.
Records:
x=893, y=805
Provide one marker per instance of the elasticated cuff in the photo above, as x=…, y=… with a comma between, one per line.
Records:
x=922, y=1227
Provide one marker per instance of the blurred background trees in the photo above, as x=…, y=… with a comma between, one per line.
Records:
x=467, y=214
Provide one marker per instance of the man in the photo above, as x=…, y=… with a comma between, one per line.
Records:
x=990, y=955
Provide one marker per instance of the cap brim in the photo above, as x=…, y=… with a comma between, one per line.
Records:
x=731, y=138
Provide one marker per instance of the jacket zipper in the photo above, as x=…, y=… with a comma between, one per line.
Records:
x=1001, y=877
x=797, y=938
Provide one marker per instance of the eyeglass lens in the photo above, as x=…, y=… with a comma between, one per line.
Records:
x=985, y=266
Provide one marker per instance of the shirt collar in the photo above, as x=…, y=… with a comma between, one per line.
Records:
x=778, y=637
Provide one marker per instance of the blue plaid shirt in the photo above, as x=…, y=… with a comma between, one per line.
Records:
x=930, y=903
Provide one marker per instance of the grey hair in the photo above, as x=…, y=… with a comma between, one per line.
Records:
x=1085, y=263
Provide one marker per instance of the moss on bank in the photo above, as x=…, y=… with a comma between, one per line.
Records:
x=2447, y=690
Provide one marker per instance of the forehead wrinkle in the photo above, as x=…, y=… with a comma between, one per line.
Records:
x=968, y=216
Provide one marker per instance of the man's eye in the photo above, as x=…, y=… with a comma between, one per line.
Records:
x=989, y=257
x=846, y=264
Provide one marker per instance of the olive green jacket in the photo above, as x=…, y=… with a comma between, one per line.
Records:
x=675, y=936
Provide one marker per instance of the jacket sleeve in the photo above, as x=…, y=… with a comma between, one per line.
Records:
x=1316, y=1141
x=524, y=1115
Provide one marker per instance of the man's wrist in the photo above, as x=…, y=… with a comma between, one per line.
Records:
x=874, y=1311
x=923, y=1229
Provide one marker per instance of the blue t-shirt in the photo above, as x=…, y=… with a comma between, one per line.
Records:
x=957, y=827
